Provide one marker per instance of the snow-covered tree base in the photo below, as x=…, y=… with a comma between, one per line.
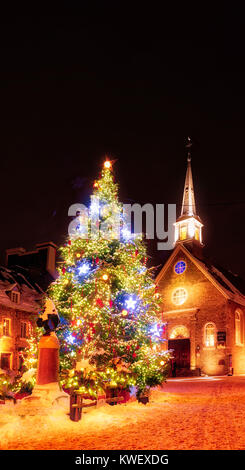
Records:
x=42, y=399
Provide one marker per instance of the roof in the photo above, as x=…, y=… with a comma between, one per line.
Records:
x=19, y=279
x=230, y=285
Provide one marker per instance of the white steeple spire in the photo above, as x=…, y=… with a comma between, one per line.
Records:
x=188, y=227
x=188, y=203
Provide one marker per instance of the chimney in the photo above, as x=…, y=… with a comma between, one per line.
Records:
x=13, y=252
x=50, y=258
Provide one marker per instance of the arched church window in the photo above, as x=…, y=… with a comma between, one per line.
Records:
x=179, y=296
x=210, y=335
x=179, y=332
x=238, y=327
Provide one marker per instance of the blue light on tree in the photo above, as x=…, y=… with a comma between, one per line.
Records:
x=125, y=300
x=84, y=269
x=131, y=303
x=156, y=332
x=142, y=270
x=94, y=206
x=70, y=339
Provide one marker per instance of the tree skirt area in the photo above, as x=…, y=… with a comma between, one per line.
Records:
x=198, y=413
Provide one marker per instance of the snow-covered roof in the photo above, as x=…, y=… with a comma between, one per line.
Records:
x=19, y=280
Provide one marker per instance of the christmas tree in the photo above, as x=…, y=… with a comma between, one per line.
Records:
x=110, y=331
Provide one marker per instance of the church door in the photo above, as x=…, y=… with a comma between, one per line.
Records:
x=181, y=352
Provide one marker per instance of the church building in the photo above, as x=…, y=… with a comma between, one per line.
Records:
x=203, y=304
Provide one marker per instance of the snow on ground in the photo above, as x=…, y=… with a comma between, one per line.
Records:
x=197, y=413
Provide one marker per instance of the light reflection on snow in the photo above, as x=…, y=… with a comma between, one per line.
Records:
x=195, y=379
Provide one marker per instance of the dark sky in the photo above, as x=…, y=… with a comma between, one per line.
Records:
x=133, y=82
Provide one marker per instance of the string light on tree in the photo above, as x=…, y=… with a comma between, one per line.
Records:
x=131, y=303
x=105, y=298
x=107, y=164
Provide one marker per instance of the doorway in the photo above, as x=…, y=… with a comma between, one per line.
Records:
x=5, y=361
x=181, y=352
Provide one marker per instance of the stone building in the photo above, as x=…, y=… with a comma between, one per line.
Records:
x=203, y=304
x=18, y=311
x=22, y=284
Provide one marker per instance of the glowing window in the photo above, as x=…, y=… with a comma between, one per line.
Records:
x=179, y=332
x=6, y=327
x=197, y=233
x=238, y=329
x=179, y=296
x=210, y=335
x=180, y=267
x=183, y=232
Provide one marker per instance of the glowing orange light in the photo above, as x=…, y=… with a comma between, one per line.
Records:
x=107, y=164
x=78, y=255
x=105, y=277
x=124, y=313
x=96, y=184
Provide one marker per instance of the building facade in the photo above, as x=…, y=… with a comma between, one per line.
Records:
x=19, y=305
x=203, y=304
x=20, y=298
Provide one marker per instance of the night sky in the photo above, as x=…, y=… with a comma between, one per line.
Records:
x=132, y=83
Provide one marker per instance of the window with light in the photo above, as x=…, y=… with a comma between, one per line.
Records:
x=179, y=332
x=210, y=335
x=180, y=267
x=6, y=327
x=179, y=296
x=197, y=233
x=183, y=232
x=238, y=327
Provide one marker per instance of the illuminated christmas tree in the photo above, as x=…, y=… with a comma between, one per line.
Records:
x=110, y=332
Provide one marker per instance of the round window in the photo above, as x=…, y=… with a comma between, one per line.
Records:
x=179, y=296
x=180, y=267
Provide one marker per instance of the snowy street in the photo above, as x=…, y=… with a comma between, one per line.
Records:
x=189, y=413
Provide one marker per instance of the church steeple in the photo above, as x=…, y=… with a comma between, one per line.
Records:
x=188, y=203
x=188, y=227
